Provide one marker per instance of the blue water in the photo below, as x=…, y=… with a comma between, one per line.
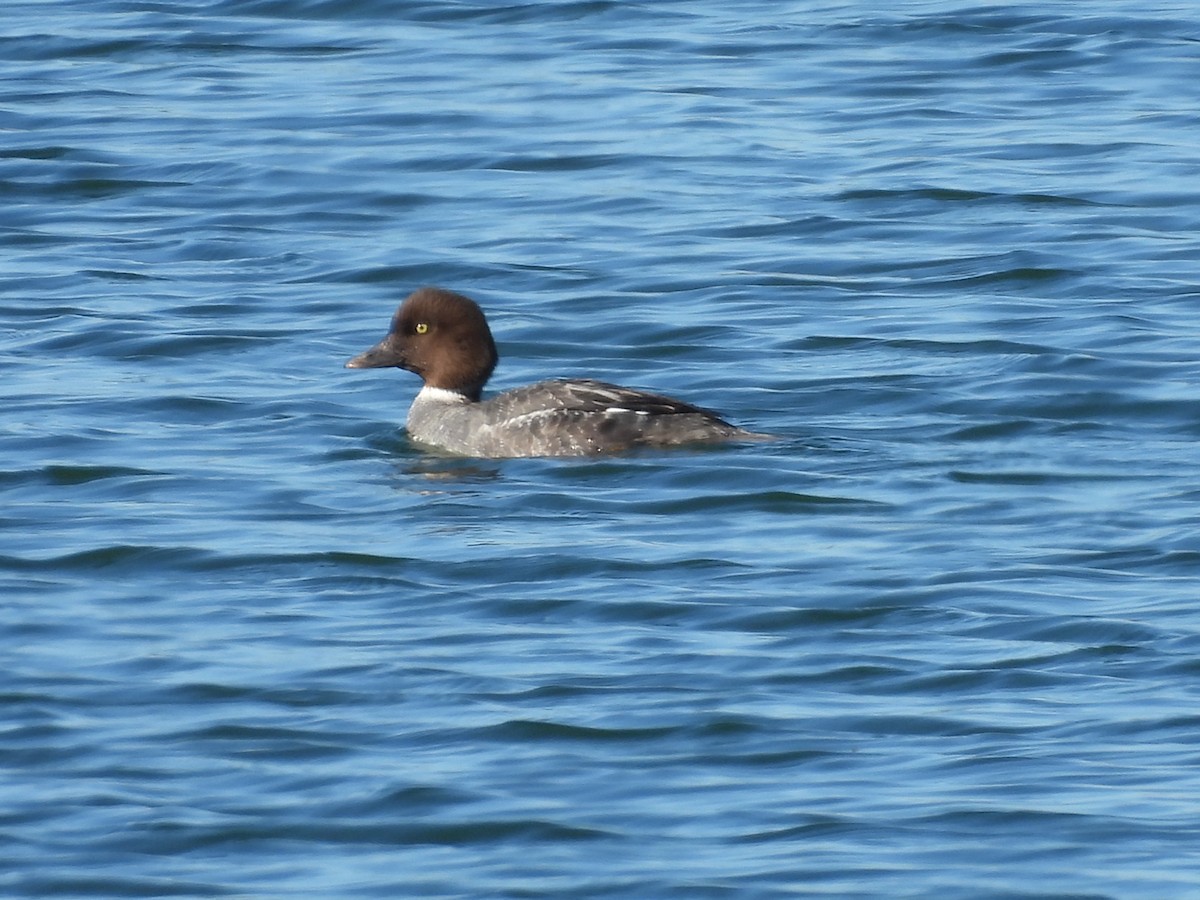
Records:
x=942, y=640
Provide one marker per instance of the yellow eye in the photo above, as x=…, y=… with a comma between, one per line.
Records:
x=422, y=328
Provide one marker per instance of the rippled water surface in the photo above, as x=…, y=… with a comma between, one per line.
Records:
x=943, y=639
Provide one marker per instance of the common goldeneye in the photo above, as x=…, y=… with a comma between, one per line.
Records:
x=444, y=338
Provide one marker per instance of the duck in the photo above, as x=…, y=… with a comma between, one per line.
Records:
x=443, y=337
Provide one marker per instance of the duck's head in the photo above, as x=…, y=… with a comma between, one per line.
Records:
x=440, y=335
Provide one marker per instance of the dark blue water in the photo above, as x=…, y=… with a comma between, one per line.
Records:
x=943, y=639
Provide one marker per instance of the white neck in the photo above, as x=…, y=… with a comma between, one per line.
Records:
x=429, y=394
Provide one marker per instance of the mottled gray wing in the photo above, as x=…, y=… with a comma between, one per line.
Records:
x=587, y=395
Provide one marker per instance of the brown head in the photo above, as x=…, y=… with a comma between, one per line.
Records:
x=440, y=335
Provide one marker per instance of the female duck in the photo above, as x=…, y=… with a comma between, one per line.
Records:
x=444, y=338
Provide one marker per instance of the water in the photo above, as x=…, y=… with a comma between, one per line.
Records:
x=941, y=640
